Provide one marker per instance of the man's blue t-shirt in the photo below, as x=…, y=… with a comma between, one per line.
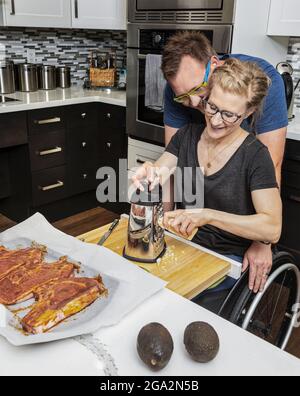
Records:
x=274, y=115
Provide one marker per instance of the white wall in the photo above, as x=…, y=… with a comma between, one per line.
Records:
x=250, y=32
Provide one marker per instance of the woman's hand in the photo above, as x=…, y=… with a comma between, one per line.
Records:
x=184, y=222
x=259, y=260
x=148, y=173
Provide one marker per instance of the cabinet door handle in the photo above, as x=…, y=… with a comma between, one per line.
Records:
x=83, y=116
x=108, y=115
x=54, y=120
x=139, y=161
x=13, y=7
x=108, y=144
x=76, y=8
x=51, y=151
x=59, y=184
x=294, y=198
x=84, y=144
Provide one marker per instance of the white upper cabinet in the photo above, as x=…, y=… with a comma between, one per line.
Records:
x=36, y=13
x=99, y=14
x=284, y=19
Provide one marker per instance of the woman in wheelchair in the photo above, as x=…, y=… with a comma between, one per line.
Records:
x=241, y=199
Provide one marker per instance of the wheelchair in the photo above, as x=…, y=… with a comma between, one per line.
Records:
x=270, y=315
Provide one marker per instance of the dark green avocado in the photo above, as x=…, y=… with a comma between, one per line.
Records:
x=201, y=342
x=155, y=346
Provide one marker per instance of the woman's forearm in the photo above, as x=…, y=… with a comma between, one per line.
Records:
x=259, y=227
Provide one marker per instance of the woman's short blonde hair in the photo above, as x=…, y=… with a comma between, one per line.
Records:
x=245, y=79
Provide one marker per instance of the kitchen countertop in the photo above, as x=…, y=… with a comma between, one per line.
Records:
x=241, y=353
x=61, y=97
x=294, y=128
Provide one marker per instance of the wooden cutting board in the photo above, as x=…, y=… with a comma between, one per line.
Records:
x=187, y=270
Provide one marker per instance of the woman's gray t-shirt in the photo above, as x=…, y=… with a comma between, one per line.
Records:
x=228, y=190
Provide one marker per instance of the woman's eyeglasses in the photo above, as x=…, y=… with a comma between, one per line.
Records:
x=197, y=91
x=228, y=117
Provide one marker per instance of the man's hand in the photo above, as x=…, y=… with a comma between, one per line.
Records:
x=260, y=260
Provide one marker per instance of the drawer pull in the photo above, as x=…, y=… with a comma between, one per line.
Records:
x=59, y=184
x=85, y=176
x=294, y=198
x=54, y=120
x=108, y=115
x=108, y=144
x=83, y=116
x=139, y=161
x=51, y=151
x=83, y=144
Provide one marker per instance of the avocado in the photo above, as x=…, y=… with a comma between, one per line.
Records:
x=201, y=342
x=155, y=346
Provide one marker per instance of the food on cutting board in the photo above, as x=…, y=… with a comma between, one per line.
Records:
x=201, y=342
x=58, y=293
x=60, y=299
x=155, y=346
x=19, y=285
x=10, y=260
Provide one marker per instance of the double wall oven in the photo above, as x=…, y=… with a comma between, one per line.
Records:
x=151, y=24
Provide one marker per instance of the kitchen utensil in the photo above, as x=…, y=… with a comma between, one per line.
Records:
x=63, y=77
x=7, y=77
x=28, y=77
x=107, y=234
x=145, y=239
x=47, y=77
x=286, y=71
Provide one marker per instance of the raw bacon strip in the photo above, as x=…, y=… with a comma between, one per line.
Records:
x=10, y=260
x=59, y=300
x=20, y=284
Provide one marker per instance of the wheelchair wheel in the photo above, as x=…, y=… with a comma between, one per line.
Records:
x=270, y=315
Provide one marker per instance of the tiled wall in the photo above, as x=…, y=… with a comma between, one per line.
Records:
x=61, y=47
x=294, y=59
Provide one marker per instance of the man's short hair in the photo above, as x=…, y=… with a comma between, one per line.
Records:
x=192, y=43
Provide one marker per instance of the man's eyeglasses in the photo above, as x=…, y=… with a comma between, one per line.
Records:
x=197, y=90
x=211, y=110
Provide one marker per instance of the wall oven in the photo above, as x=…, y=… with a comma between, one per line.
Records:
x=143, y=122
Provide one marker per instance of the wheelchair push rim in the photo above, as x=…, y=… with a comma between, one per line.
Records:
x=263, y=327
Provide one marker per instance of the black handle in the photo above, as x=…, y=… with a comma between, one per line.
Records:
x=13, y=8
x=294, y=198
x=76, y=9
x=140, y=161
x=293, y=157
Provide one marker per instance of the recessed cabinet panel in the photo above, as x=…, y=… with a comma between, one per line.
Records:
x=284, y=19
x=37, y=13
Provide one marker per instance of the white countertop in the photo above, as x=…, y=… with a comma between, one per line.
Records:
x=294, y=128
x=240, y=353
x=61, y=97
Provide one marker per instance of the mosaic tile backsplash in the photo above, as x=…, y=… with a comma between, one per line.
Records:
x=294, y=59
x=61, y=47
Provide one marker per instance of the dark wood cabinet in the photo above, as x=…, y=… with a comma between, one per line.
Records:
x=61, y=150
x=290, y=239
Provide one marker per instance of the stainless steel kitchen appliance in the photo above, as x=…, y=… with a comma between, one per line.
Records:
x=7, y=77
x=286, y=70
x=47, y=77
x=28, y=77
x=145, y=240
x=63, y=77
x=151, y=24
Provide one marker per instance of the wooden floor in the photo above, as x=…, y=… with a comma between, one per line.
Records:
x=95, y=218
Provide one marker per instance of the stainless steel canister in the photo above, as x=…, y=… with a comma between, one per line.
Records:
x=63, y=74
x=7, y=77
x=47, y=77
x=28, y=77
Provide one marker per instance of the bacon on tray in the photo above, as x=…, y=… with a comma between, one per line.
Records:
x=11, y=260
x=20, y=284
x=59, y=300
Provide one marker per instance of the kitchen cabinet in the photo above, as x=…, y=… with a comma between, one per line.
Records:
x=49, y=159
x=99, y=14
x=36, y=13
x=284, y=18
x=290, y=240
